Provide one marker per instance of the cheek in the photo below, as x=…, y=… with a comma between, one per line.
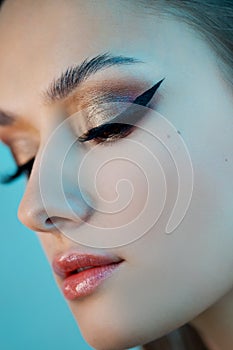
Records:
x=126, y=179
x=122, y=190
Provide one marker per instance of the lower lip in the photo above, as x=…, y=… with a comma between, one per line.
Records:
x=85, y=282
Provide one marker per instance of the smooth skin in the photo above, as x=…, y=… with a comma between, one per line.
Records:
x=166, y=280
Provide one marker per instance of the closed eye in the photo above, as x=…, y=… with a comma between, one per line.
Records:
x=121, y=125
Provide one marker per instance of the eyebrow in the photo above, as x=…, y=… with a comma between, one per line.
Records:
x=69, y=80
x=73, y=76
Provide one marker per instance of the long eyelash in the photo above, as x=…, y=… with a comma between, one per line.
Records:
x=106, y=131
x=21, y=169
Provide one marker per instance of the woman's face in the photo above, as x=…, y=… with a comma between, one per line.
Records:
x=165, y=280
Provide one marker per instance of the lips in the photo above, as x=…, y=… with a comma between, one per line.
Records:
x=65, y=265
x=83, y=273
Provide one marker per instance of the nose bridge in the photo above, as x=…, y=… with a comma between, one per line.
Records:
x=52, y=191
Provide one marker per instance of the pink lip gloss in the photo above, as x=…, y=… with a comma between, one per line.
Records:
x=85, y=282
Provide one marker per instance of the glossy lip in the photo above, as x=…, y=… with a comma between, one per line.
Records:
x=77, y=283
x=86, y=282
x=67, y=264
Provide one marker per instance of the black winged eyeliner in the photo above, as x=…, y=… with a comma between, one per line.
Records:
x=128, y=117
x=122, y=123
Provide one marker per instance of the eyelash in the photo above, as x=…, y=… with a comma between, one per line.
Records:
x=106, y=133
x=114, y=131
x=20, y=170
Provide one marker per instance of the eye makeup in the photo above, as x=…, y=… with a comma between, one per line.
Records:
x=120, y=126
x=123, y=122
x=102, y=107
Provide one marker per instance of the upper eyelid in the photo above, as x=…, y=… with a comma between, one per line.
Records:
x=133, y=111
x=123, y=88
x=121, y=116
x=19, y=151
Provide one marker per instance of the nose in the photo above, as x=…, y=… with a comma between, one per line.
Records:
x=52, y=197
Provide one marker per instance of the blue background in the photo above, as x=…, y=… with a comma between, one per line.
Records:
x=33, y=312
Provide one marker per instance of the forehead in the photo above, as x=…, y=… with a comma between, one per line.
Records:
x=32, y=32
x=41, y=38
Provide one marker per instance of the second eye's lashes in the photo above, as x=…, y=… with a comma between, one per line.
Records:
x=21, y=169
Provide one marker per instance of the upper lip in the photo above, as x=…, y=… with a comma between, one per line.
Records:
x=67, y=264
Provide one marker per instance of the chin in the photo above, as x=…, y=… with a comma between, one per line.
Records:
x=105, y=327
x=108, y=336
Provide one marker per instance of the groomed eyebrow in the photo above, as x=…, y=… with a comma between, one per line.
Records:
x=72, y=77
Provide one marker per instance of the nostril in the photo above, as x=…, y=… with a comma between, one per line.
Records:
x=48, y=222
x=53, y=223
x=55, y=220
x=57, y=223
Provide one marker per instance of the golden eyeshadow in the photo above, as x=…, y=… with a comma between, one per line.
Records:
x=92, y=93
